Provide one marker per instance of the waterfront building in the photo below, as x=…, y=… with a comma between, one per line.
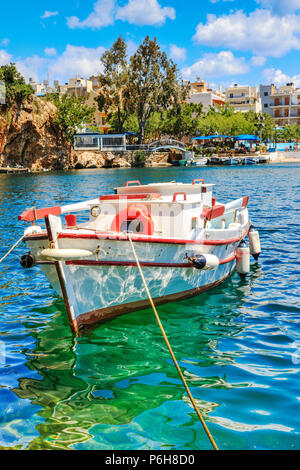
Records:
x=102, y=142
x=201, y=93
x=283, y=103
x=266, y=92
x=243, y=98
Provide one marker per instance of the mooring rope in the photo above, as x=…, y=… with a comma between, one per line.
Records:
x=170, y=349
x=12, y=248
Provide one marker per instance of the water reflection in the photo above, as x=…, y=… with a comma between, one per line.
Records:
x=122, y=369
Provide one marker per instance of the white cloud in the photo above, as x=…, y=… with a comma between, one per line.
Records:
x=213, y=65
x=102, y=15
x=74, y=61
x=145, y=12
x=258, y=60
x=33, y=66
x=48, y=14
x=139, y=12
x=261, y=32
x=278, y=77
x=5, y=58
x=280, y=6
x=178, y=54
x=50, y=51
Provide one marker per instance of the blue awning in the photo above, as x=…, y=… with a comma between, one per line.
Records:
x=209, y=137
x=246, y=137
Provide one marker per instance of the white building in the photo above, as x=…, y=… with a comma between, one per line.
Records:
x=282, y=103
x=243, y=98
x=200, y=93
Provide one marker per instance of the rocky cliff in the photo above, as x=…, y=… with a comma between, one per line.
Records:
x=29, y=137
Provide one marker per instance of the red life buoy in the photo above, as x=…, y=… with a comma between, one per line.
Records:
x=135, y=218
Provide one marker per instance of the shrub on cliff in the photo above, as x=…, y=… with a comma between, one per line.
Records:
x=72, y=112
x=139, y=158
x=16, y=89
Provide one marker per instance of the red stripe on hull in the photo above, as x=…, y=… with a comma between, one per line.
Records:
x=103, y=236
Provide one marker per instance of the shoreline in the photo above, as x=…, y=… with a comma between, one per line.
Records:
x=282, y=157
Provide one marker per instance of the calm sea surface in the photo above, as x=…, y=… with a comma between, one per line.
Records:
x=117, y=388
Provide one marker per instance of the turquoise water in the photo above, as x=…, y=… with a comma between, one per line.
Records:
x=117, y=388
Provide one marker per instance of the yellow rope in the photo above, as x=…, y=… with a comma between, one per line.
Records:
x=170, y=349
x=12, y=248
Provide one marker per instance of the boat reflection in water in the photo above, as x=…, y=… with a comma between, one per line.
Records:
x=114, y=388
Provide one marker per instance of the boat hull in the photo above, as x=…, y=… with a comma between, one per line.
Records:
x=107, y=313
x=109, y=285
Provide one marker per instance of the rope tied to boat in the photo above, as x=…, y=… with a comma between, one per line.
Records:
x=170, y=349
x=11, y=249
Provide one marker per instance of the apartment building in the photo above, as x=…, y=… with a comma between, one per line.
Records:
x=77, y=86
x=41, y=89
x=243, y=98
x=283, y=103
x=266, y=92
x=200, y=93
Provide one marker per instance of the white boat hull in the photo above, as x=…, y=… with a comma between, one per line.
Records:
x=109, y=284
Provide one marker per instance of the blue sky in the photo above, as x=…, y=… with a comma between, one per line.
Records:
x=221, y=41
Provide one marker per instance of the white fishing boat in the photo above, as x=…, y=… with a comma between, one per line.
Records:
x=185, y=240
x=263, y=158
x=251, y=160
x=199, y=161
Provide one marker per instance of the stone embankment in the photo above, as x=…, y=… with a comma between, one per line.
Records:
x=286, y=157
x=96, y=159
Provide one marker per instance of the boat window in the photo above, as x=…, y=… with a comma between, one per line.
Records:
x=135, y=226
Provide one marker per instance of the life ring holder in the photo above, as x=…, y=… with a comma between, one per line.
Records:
x=134, y=212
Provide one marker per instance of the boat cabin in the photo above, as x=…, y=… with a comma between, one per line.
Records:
x=159, y=209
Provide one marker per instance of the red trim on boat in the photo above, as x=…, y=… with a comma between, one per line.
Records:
x=136, y=238
x=179, y=194
x=213, y=212
x=245, y=201
x=138, y=212
x=131, y=182
x=36, y=214
x=149, y=264
x=113, y=197
x=198, y=179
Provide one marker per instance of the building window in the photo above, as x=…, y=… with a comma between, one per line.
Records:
x=266, y=105
x=266, y=93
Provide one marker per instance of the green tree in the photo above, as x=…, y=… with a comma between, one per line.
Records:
x=17, y=90
x=263, y=124
x=114, y=82
x=72, y=112
x=182, y=120
x=153, y=83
